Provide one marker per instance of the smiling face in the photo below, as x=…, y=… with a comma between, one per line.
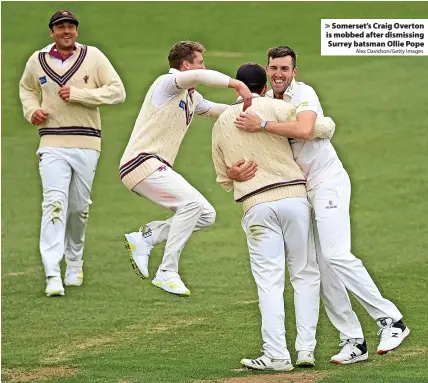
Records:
x=281, y=72
x=65, y=35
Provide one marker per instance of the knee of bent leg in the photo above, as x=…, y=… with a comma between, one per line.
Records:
x=209, y=214
x=79, y=208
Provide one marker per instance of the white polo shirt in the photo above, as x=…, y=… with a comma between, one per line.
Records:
x=317, y=158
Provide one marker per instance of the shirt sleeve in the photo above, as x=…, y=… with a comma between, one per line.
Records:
x=166, y=90
x=219, y=163
x=110, y=87
x=174, y=83
x=308, y=101
x=30, y=91
x=324, y=128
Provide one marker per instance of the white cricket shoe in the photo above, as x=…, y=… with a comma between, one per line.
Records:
x=139, y=246
x=305, y=359
x=171, y=282
x=268, y=364
x=391, y=334
x=54, y=286
x=352, y=352
x=73, y=276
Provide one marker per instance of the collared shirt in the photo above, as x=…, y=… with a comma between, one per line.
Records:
x=56, y=57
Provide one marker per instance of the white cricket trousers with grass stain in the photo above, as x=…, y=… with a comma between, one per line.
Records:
x=193, y=212
x=67, y=175
x=340, y=269
x=279, y=232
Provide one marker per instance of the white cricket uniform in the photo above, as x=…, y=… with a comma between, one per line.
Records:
x=170, y=190
x=329, y=192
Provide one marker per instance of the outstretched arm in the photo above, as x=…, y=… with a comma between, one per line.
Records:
x=191, y=78
x=306, y=127
x=206, y=108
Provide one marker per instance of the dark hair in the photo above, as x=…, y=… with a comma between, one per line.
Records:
x=253, y=75
x=183, y=51
x=282, y=51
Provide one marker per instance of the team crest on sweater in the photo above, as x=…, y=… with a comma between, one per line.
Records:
x=43, y=80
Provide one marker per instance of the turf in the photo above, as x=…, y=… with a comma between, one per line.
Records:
x=117, y=328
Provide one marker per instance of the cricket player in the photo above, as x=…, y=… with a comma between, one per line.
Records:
x=61, y=88
x=146, y=164
x=277, y=221
x=329, y=192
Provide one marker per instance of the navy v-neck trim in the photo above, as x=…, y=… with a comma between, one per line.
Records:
x=61, y=80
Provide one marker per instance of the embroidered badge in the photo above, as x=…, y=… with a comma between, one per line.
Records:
x=43, y=80
x=86, y=78
x=182, y=105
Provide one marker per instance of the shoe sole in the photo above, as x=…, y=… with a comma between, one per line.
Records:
x=262, y=368
x=73, y=284
x=357, y=359
x=305, y=363
x=131, y=259
x=159, y=286
x=405, y=334
x=56, y=293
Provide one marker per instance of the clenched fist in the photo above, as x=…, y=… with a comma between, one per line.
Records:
x=64, y=93
x=39, y=117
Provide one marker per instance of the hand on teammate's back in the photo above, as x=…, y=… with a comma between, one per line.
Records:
x=242, y=171
x=39, y=117
x=248, y=121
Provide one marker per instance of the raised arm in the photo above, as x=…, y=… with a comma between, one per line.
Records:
x=110, y=87
x=191, y=78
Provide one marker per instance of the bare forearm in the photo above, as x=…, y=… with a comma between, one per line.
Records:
x=291, y=129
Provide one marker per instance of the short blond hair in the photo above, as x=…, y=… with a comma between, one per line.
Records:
x=183, y=51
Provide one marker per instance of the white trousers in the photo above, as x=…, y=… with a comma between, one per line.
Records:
x=193, y=212
x=279, y=232
x=67, y=175
x=340, y=269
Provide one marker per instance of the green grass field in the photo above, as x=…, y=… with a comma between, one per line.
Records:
x=117, y=328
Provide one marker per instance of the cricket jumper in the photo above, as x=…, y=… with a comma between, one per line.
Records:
x=70, y=142
x=278, y=176
x=93, y=82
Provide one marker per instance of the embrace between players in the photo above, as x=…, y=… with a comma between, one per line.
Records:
x=271, y=148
